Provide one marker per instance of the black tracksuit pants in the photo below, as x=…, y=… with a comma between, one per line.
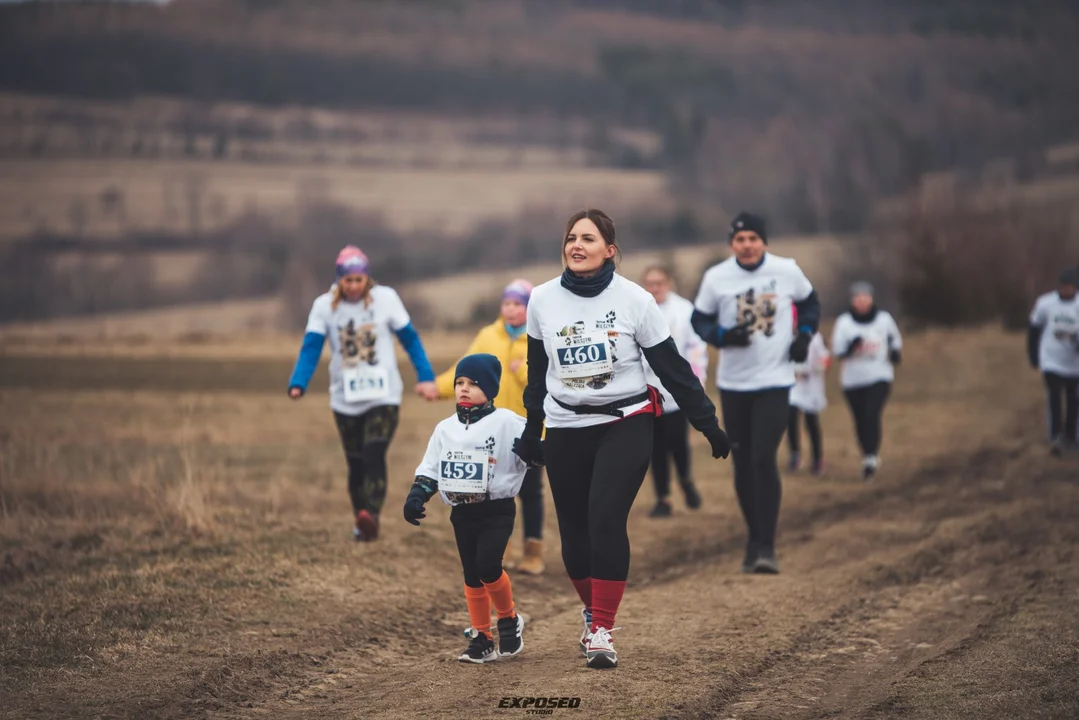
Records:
x=867, y=407
x=1063, y=417
x=670, y=441
x=482, y=530
x=794, y=435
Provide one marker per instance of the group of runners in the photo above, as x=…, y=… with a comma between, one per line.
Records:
x=595, y=379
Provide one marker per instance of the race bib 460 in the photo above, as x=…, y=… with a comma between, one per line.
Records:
x=582, y=355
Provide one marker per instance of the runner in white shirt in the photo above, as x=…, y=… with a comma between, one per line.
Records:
x=587, y=333
x=744, y=308
x=360, y=319
x=670, y=439
x=868, y=342
x=470, y=462
x=808, y=398
x=1053, y=347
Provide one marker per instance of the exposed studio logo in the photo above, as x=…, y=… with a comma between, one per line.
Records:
x=540, y=705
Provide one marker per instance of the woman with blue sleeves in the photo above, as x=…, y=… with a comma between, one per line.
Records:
x=359, y=318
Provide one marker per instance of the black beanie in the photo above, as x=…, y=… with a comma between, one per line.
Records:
x=1070, y=276
x=748, y=221
x=483, y=369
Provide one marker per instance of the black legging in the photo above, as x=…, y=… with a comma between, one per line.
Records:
x=1055, y=385
x=531, y=496
x=482, y=531
x=365, y=439
x=812, y=429
x=755, y=423
x=867, y=406
x=670, y=440
x=595, y=474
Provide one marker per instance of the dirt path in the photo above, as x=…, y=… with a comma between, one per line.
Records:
x=946, y=589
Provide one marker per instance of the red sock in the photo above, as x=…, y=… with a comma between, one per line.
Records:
x=584, y=590
x=606, y=597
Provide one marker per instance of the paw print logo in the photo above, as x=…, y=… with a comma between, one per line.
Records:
x=611, y=316
x=489, y=445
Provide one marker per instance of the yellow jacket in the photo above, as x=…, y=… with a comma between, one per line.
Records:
x=495, y=340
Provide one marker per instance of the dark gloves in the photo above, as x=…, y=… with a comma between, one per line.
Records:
x=530, y=449
x=854, y=346
x=894, y=356
x=800, y=347
x=414, y=505
x=721, y=446
x=737, y=336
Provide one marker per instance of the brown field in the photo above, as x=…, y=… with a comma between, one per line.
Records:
x=175, y=543
x=65, y=196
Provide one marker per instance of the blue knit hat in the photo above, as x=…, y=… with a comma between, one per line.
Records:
x=483, y=369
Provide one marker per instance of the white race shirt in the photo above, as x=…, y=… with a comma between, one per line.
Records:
x=808, y=393
x=457, y=453
x=764, y=297
x=594, y=346
x=677, y=311
x=871, y=364
x=1059, y=320
x=362, y=349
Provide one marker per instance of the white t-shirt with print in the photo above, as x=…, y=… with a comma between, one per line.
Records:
x=871, y=363
x=1058, y=352
x=457, y=453
x=808, y=393
x=594, y=346
x=763, y=297
x=362, y=349
x=678, y=311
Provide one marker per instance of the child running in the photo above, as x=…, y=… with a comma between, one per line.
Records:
x=808, y=398
x=470, y=462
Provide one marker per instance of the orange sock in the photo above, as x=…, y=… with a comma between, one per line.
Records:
x=479, y=609
x=501, y=593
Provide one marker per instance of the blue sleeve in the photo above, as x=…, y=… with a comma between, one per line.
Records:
x=310, y=352
x=809, y=313
x=410, y=341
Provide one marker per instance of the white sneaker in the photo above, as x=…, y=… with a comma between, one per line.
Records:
x=870, y=465
x=600, y=651
x=586, y=617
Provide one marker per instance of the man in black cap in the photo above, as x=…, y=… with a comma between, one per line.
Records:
x=1053, y=348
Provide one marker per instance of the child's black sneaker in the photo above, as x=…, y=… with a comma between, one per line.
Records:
x=510, y=640
x=480, y=650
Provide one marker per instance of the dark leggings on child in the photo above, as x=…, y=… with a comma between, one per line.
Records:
x=531, y=496
x=812, y=429
x=482, y=530
x=365, y=439
x=867, y=406
x=1055, y=385
x=670, y=441
x=755, y=422
x=595, y=474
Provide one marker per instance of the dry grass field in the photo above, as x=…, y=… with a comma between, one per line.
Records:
x=175, y=542
x=65, y=196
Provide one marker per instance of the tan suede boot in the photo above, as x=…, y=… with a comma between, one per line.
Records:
x=510, y=556
x=533, y=560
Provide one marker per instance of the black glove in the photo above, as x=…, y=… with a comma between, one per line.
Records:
x=854, y=346
x=414, y=505
x=737, y=336
x=530, y=449
x=800, y=347
x=894, y=356
x=721, y=446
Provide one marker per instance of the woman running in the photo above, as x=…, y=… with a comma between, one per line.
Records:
x=868, y=342
x=744, y=308
x=587, y=331
x=808, y=398
x=1053, y=347
x=359, y=316
x=670, y=439
x=507, y=340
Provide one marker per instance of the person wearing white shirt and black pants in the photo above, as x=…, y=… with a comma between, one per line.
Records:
x=744, y=307
x=587, y=333
x=868, y=342
x=808, y=398
x=1053, y=347
x=670, y=440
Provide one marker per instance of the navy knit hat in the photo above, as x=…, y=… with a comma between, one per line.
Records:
x=1070, y=276
x=748, y=221
x=483, y=369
